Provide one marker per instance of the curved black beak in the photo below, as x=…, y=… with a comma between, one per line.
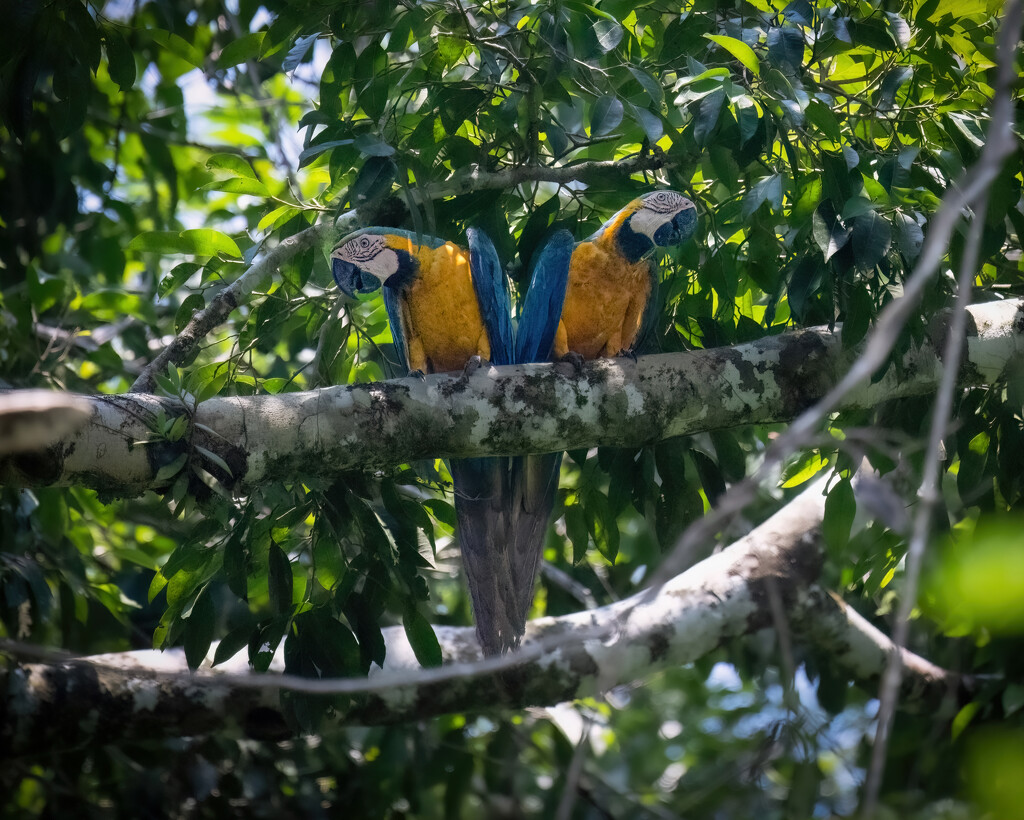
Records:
x=681, y=228
x=352, y=280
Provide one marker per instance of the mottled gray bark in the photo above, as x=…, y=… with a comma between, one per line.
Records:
x=499, y=411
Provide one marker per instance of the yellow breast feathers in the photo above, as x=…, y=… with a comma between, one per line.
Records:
x=440, y=316
x=604, y=301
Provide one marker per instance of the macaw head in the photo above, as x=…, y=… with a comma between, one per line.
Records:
x=371, y=258
x=661, y=218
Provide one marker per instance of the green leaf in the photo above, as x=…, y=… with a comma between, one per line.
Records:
x=213, y=458
x=855, y=206
x=199, y=629
x=189, y=305
x=442, y=511
x=177, y=46
x=178, y=276
x=1013, y=698
x=821, y=117
x=313, y=151
x=280, y=579
x=707, y=116
x=237, y=186
x=236, y=563
x=872, y=235
x=44, y=291
x=891, y=84
x=973, y=461
x=576, y=529
x=421, y=636
x=802, y=470
x=909, y=236
x=371, y=146
x=198, y=241
x=603, y=526
x=333, y=646
x=277, y=216
x=231, y=644
x=86, y=40
x=963, y=719
x=297, y=53
x=232, y=163
x=829, y=232
x=208, y=242
x=264, y=641
x=239, y=51
x=374, y=180
x=731, y=458
x=840, y=508
x=786, y=48
x=650, y=123
x=857, y=316
x=450, y=49
x=649, y=84
x=605, y=116
x=609, y=33
x=768, y=190
x=738, y=49
x=171, y=469
x=120, y=59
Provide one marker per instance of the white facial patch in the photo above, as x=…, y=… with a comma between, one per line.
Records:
x=370, y=254
x=666, y=202
x=646, y=222
x=658, y=208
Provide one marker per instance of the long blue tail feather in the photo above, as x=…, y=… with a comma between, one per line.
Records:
x=504, y=505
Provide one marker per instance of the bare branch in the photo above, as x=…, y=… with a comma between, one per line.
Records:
x=149, y=694
x=500, y=410
x=589, y=172
x=32, y=420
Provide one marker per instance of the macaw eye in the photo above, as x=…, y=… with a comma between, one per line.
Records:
x=664, y=202
x=362, y=248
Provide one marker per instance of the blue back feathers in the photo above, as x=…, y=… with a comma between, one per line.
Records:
x=542, y=308
x=491, y=294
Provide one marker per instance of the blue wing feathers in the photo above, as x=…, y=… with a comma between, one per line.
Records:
x=394, y=309
x=542, y=308
x=491, y=294
x=504, y=504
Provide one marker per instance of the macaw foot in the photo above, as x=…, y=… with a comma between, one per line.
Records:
x=627, y=354
x=576, y=360
x=417, y=374
x=472, y=365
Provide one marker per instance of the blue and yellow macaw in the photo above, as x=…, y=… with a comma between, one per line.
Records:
x=612, y=279
x=446, y=306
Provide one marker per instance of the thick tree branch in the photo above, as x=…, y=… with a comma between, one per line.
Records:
x=499, y=411
x=148, y=694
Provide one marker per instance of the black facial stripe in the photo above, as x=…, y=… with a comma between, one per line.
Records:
x=664, y=202
x=361, y=249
